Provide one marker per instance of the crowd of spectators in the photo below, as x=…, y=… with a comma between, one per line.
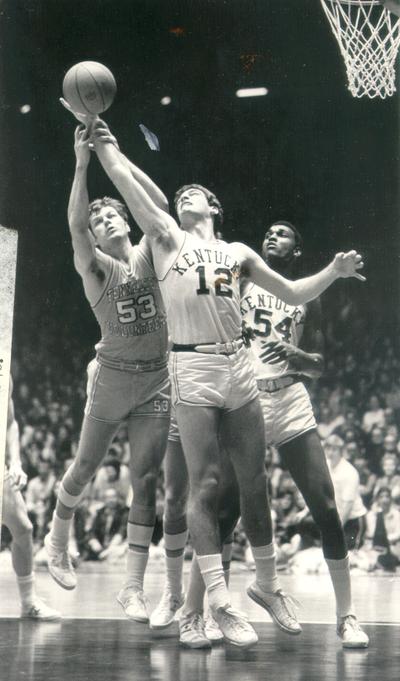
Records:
x=357, y=400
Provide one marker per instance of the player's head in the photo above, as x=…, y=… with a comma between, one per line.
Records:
x=108, y=221
x=282, y=241
x=194, y=200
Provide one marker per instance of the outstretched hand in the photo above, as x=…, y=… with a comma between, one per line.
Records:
x=347, y=265
x=85, y=118
x=102, y=133
x=82, y=145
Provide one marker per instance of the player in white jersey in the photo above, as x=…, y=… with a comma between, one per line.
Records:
x=127, y=381
x=288, y=347
x=214, y=389
x=15, y=518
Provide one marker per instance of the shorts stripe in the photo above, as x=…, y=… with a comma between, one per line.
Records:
x=93, y=388
x=295, y=436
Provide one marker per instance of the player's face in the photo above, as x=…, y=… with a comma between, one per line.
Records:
x=279, y=242
x=194, y=202
x=108, y=225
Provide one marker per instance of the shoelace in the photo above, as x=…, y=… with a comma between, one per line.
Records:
x=170, y=602
x=195, y=622
x=289, y=603
x=350, y=622
x=63, y=560
x=237, y=620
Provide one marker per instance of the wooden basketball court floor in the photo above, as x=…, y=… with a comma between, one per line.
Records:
x=94, y=641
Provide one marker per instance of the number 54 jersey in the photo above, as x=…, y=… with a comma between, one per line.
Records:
x=273, y=321
x=130, y=309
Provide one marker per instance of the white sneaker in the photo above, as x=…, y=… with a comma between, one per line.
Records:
x=349, y=630
x=134, y=604
x=235, y=627
x=279, y=605
x=40, y=611
x=60, y=565
x=191, y=631
x=212, y=630
x=165, y=612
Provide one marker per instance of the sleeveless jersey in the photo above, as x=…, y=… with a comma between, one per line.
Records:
x=130, y=311
x=272, y=320
x=201, y=293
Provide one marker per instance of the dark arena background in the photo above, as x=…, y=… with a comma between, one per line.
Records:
x=307, y=152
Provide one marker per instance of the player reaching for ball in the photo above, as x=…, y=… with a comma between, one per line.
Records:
x=15, y=517
x=127, y=380
x=214, y=390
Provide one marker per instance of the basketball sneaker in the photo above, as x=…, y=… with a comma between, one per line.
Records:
x=350, y=632
x=40, y=611
x=191, y=631
x=212, y=630
x=134, y=604
x=60, y=565
x=279, y=606
x=235, y=627
x=165, y=612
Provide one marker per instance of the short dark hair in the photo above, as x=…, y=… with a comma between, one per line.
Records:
x=211, y=198
x=298, y=239
x=96, y=206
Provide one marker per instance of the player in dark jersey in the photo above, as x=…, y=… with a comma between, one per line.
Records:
x=15, y=518
x=127, y=381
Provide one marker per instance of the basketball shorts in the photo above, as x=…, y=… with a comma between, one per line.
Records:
x=206, y=380
x=114, y=395
x=14, y=509
x=287, y=413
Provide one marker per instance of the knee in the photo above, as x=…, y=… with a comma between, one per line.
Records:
x=205, y=491
x=144, y=486
x=22, y=533
x=253, y=480
x=175, y=501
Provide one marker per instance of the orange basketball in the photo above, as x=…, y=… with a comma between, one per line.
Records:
x=89, y=87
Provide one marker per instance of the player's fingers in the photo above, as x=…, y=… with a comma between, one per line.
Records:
x=65, y=104
x=359, y=276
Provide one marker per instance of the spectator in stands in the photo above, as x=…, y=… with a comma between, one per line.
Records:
x=390, y=477
x=38, y=497
x=346, y=482
x=108, y=530
x=327, y=423
x=374, y=416
x=367, y=478
x=112, y=474
x=382, y=536
x=374, y=449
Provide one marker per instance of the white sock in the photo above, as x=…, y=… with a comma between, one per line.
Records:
x=213, y=575
x=26, y=590
x=174, y=564
x=136, y=566
x=194, y=601
x=340, y=575
x=264, y=558
x=59, y=533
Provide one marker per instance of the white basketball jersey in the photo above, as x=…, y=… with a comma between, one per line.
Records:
x=272, y=320
x=201, y=293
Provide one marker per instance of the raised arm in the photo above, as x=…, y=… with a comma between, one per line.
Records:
x=152, y=220
x=78, y=206
x=302, y=290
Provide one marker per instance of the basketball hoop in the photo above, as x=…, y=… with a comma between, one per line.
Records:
x=369, y=38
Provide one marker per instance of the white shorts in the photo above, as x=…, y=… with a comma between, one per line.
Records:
x=287, y=413
x=206, y=380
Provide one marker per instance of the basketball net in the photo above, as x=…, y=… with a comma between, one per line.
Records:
x=369, y=38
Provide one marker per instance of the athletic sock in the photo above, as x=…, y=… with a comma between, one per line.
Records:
x=175, y=538
x=264, y=558
x=139, y=539
x=340, y=575
x=213, y=575
x=194, y=601
x=59, y=533
x=26, y=590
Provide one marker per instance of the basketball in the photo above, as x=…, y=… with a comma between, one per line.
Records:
x=89, y=87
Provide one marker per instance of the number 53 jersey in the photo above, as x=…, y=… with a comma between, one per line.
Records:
x=201, y=293
x=272, y=321
x=130, y=309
